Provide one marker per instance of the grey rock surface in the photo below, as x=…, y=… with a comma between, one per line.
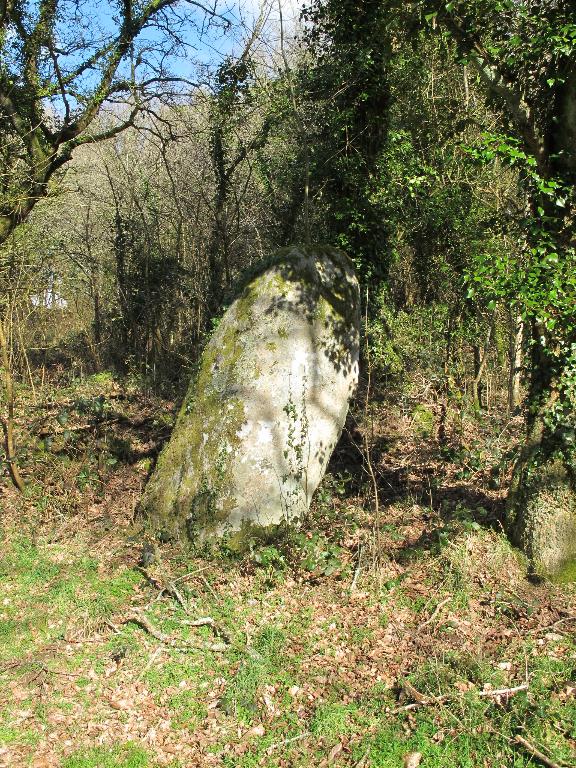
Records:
x=260, y=421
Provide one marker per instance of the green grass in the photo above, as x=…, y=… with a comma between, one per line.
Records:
x=266, y=665
x=125, y=756
x=468, y=730
x=188, y=710
x=464, y=729
x=36, y=576
x=10, y=735
x=332, y=721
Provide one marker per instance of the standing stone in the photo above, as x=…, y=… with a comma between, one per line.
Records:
x=259, y=423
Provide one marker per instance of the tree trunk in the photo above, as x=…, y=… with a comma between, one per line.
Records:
x=515, y=361
x=8, y=421
x=480, y=360
x=541, y=507
x=541, y=510
x=477, y=388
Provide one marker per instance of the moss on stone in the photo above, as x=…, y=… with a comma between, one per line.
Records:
x=250, y=535
x=193, y=490
x=543, y=515
x=566, y=574
x=198, y=497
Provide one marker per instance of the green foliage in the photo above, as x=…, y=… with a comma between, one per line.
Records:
x=268, y=557
x=423, y=419
x=349, y=85
x=385, y=357
x=333, y=486
x=317, y=555
x=540, y=277
x=334, y=720
x=128, y=755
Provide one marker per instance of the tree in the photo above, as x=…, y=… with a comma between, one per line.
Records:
x=441, y=207
x=60, y=62
x=348, y=83
x=231, y=116
x=524, y=53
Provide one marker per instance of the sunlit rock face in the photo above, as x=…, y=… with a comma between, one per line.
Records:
x=261, y=419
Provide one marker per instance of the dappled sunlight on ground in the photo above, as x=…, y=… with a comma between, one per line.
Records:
x=341, y=645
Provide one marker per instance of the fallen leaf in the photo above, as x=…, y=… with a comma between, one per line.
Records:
x=412, y=759
x=119, y=703
x=334, y=752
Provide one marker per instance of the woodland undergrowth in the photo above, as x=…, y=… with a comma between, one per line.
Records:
x=411, y=639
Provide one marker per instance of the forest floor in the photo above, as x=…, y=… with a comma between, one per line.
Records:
x=406, y=637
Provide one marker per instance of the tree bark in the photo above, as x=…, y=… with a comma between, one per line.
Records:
x=541, y=505
x=515, y=361
x=8, y=420
x=541, y=508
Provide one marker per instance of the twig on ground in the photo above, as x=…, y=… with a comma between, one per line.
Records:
x=206, y=621
x=209, y=587
x=363, y=760
x=152, y=580
x=357, y=570
x=187, y=576
x=113, y=627
x=504, y=692
x=284, y=742
x=164, y=586
x=137, y=617
x=421, y=700
x=153, y=656
x=536, y=752
x=435, y=613
x=554, y=625
x=173, y=592
x=418, y=697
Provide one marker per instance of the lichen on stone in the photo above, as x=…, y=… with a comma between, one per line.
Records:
x=272, y=388
x=542, y=516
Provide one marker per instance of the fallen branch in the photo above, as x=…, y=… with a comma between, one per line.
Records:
x=173, y=592
x=209, y=588
x=152, y=658
x=206, y=621
x=421, y=700
x=363, y=760
x=357, y=570
x=504, y=692
x=284, y=742
x=418, y=697
x=136, y=617
x=435, y=613
x=164, y=586
x=190, y=575
x=536, y=752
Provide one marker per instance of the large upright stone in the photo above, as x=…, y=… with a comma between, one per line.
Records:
x=259, y=423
